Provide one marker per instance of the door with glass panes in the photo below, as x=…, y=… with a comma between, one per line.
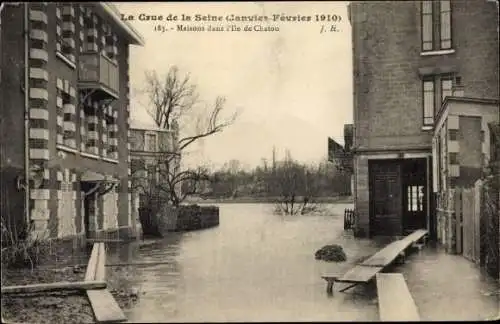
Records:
x=414, y=194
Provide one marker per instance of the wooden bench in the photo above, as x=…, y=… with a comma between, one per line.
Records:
x=394, y=299
x=367, y=270
x=105, y=307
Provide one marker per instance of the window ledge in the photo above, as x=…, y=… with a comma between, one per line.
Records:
x=66, y=148
x=110, y=160
x=89, y=155
x=439, y=52
x=427, y=127
x=63, y=58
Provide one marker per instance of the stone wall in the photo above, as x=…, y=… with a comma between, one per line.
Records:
x=183, y=218
x=197, y=217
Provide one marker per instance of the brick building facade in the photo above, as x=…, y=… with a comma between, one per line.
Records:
x=65, y=119
x=408, y=57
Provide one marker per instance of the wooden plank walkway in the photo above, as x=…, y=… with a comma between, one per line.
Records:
x=389, y=253
x=367, y=270
x=394, y=299
x=357, y=275
x=415, y=236
x=360, y=274
x=105, y=307
x=385, y=256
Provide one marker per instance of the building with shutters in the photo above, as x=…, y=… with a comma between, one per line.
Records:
x=65, y=118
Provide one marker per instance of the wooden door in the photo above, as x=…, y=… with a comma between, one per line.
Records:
x=385, y=197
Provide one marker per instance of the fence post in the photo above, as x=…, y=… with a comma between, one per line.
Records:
x=451, y=239
x=458, y=221
x=477, y=219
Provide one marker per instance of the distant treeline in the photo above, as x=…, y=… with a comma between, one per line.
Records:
x=282, y=179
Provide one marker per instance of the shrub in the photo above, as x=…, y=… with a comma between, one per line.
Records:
x=333, y=252
x=22, y=251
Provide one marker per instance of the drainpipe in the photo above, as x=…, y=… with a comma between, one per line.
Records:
x=26, y=114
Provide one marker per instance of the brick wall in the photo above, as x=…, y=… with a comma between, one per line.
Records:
x=387, y=60
x=386, y=50
x=388, y=68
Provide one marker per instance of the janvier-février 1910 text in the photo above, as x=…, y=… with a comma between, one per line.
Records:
x=232, y=18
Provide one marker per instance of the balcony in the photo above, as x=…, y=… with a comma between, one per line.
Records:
x=99, y=73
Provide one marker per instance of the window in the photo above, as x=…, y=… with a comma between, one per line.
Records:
x=453, y=158
x=65, y=29
x=446, y=87
x=415, y=198
x=150, y=144
x=435, y=89
x=445, y=21
x=92, y=122
x=436, y=25
x=428, y=101
x=427, y=37
x=66, y=114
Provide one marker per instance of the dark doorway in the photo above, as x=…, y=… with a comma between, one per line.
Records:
x=89, y=202
x=385, y=197
x=398, y=196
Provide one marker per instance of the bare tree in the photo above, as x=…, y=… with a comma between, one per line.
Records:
x=296, y=186
x=174, y=104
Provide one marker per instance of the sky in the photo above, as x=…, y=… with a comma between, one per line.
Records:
x=292, y=87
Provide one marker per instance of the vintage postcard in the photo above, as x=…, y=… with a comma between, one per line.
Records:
x=249, y=161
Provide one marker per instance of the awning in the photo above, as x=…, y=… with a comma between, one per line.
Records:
x=91, y=176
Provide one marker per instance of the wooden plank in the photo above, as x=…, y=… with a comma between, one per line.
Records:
x=415, y=236
x=100, y=272
x=360, y=274
x=394, y=299
x=385, y=256
x=91, y=267
x=123, y=264
x=55, y=286
x=105, y=307
x=104, y=240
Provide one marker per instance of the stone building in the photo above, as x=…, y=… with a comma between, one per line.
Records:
x=414, y=62
x=151, y=148
x=64, y=119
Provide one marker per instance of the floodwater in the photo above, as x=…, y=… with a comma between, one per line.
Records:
x=256, y=266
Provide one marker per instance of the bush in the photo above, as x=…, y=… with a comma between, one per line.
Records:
x=21, y=251
x=332, y=252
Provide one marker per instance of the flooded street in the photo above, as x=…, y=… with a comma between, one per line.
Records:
x=257, y=266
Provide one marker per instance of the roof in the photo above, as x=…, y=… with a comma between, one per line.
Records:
x=140, y=125
x=110, y=10
x=335, y=150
